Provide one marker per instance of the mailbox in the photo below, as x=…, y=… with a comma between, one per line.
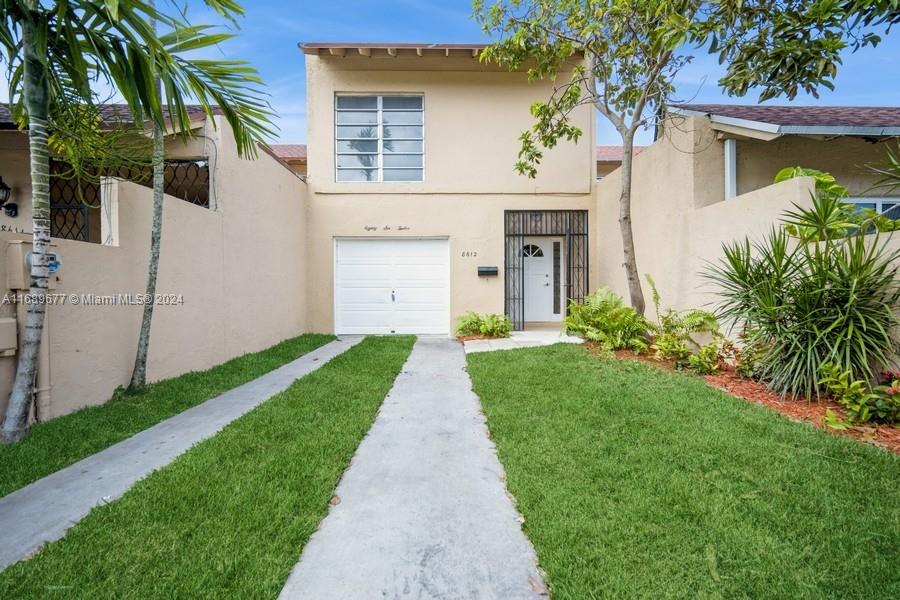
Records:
x=488, y=271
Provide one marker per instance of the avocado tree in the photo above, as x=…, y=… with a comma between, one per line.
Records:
x=58, y=50
x=623, y=56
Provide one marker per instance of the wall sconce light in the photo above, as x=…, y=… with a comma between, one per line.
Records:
x=4, y=192
x=10, y=208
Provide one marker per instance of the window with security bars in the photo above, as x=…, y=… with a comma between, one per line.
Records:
x=379, y=138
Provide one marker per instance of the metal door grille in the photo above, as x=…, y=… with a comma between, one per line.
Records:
x=572, y=226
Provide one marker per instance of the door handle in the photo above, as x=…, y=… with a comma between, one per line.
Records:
x=393, y=297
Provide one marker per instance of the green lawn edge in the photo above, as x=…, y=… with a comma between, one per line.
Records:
x=638, y=483
x=58, y=443
x=229, y=518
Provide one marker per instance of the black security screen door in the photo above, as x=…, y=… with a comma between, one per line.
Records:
x=572, y=226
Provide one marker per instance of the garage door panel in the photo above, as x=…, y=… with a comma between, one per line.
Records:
x=433, y=297
x=368, y=271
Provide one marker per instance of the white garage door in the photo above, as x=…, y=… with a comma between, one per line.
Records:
x=391, y=286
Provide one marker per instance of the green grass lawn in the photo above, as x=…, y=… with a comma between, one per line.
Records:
x=636, y=482
x=60, y=442
x=228, y=518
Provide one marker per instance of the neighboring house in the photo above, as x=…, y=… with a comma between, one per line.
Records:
x=416, y=213
x=231, y=269
x=294, y=155
x=609, y=158
x=710, y=179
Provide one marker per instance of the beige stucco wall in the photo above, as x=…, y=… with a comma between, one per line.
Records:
x=473, y=224
x=240, y=270
x=474, y=115
x=845, y=158
x=680, y=215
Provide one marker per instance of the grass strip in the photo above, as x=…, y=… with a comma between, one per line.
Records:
x=58, y=443
x=637, y=483
x=228, y=518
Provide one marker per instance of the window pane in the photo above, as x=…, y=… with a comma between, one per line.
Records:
x=862, y=205
x=402, y=118
x=403, y=174
x=403, y=160
x=358, y=117
x=357, y=146
x=401, y=102
x=357, y=175
x=402, y=132
x=402, y=146
x=349, y=131
x=355, y=102
x=357, y=160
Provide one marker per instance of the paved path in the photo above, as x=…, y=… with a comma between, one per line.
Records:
x=43, y=511
x=522, y=339
x=423, y=509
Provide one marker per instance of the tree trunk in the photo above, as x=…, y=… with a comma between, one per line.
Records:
x=37, y=103
x=635, y=292
x=139, y=374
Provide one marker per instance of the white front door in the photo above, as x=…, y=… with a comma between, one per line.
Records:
x=391, y=285
x=540, y=255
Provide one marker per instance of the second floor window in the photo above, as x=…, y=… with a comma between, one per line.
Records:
x=379, y=138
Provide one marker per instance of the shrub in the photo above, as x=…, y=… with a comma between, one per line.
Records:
x=674, y=330
x=706, y=361
x=490, y=325
x=813, y=291
x=604, y=318
x=862, y=404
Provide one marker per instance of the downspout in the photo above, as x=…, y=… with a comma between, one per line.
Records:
x=730, y=168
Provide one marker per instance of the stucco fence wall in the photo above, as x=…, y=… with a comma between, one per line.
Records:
x=675, y=240
x=239, y=268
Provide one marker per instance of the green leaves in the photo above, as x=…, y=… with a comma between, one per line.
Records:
x=113, y=41
x=817, y=290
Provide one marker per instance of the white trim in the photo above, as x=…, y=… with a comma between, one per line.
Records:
x=730, y=168
x=878, y=201
x=790, y=129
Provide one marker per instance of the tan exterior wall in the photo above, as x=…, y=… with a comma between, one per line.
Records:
x=473, y=224
x=473, y=117
x=680, y=215
x=845, y=158
x=240, y=270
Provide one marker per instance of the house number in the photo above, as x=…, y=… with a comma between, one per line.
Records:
x=468, y=254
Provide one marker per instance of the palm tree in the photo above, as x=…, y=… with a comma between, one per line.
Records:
x=55, y=50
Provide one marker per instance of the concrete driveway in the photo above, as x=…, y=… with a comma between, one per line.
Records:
x=422, y=512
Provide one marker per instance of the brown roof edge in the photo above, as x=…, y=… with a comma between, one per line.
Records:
x=268, y=150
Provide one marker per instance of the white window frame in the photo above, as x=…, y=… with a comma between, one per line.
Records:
x=380, y=110
x=878, y=201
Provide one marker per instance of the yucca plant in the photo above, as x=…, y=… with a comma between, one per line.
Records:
x=813, y=291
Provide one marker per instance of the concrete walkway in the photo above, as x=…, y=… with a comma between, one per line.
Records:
x=523, y=339
x=423, y=510
x=43, y=511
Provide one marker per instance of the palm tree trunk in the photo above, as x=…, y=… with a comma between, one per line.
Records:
x=139, y=373
x=37, y=103
x=635, y=292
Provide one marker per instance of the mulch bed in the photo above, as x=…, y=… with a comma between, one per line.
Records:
x=793, y=407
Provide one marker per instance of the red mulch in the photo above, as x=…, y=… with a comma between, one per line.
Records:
x=792, y=407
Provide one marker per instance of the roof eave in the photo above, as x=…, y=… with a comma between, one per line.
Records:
x=772, y=129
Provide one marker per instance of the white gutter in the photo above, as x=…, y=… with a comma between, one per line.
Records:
x=791, y=129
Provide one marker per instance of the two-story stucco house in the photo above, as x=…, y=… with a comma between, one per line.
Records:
x=415, y=211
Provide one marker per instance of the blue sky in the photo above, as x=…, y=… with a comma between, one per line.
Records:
x=271, y=30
